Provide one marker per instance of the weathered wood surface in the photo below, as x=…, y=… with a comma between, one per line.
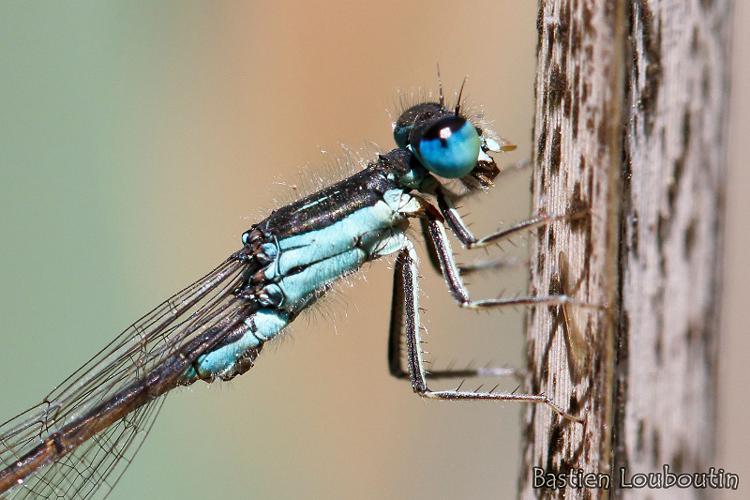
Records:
x=577, y=134
x=672, y=219
x=629, y=130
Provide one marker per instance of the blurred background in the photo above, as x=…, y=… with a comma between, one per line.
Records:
x=139, y=141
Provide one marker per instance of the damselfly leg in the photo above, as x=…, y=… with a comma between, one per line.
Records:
x=395, y=344
x=405, y=322
x=395, y=347
x=452, y=275
x=405, y=312
x=467, y=238
x=471, y=267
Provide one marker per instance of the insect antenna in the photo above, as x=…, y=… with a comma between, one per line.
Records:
x=460, y=93
x=440, y=87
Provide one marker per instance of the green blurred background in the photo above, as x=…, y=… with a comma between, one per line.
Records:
x=139, y=140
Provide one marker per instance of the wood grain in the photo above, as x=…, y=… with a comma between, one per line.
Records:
x=630, y=141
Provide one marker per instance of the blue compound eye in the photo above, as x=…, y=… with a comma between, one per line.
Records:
x=419, y=113
x=450, y=147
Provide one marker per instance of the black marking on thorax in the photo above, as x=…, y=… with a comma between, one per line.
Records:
x=330, y=205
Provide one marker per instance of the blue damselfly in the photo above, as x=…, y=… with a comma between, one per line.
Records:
x=78, y=441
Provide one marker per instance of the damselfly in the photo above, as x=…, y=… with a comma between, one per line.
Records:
x=78, y=441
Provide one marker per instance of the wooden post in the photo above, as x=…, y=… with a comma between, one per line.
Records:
x=630, y=139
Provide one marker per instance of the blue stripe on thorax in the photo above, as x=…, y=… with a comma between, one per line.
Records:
x=313, y=246
x=307, y=262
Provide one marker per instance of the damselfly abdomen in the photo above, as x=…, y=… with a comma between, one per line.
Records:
x=78, y=441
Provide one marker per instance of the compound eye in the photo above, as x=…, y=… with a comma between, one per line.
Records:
x=401, y=134
x=418, y=113
x=450, y=147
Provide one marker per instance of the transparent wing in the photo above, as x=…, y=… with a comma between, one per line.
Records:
x=92, y=469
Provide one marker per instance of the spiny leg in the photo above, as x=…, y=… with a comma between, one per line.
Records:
x=405, y=303
x=441, y=258
x=452, y=275
x=431, y=252
x=471, y=267
x=469, y=240
x=479, y=266
x=395, y=335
